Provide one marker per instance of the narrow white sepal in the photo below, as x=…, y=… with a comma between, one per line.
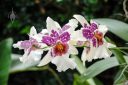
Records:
x=17, y=45
x=32, y=31
x=46, y=59
x=81, y=19
x=51, y=24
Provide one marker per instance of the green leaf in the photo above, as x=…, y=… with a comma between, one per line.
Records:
x=101, y=66
x=5, y=60
x=25, y=30
x=121, y=76
x=118, y=52
x=119, y=56
x=15, y=25
x=77, y=80
x=116, y=27
x=81, y=69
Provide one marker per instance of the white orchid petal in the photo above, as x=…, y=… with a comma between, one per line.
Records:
x=33, y=31
x=37, y=37
x=81, y=19
x=36, y=54
x=72, y=50
x=44, y=31
x=73, y=23
x=88, y=56
x=57, y=25
x=98, y=53
x=51, y=24
x=63, y=63
x=84, y=55
x=77, y=36
x=103, y=52
x=91, y=53
x=107, y=53
x=46, y=59
x=24, y=58
x=32, y=56
x=92, y=21
x=103, y=29
x=18, y=45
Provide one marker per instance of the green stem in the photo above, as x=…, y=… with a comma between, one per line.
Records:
x=82, y=69
x=56, y=76
x=125, y=48
x=30, y=69
x=122, y=73
x=119, y=56
x=118, y=53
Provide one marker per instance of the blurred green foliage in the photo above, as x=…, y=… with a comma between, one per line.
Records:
x=5, y=60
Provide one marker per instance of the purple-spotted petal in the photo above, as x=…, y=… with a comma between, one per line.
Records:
x=87, y=33
x=54, y=34
x=26, y=44
x=65, y=27
x=32, y=40
x=93, y=27
x=48, y=40
x=65, y=37
x=94, y=41
x=80, y=43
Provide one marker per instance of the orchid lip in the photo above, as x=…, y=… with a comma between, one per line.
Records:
x=59, y=49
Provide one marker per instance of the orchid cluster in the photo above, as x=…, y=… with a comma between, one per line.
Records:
x=61, y=42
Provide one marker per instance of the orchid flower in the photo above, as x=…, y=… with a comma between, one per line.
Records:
x=60, y=48
x=96, y=46
x=31, y=47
